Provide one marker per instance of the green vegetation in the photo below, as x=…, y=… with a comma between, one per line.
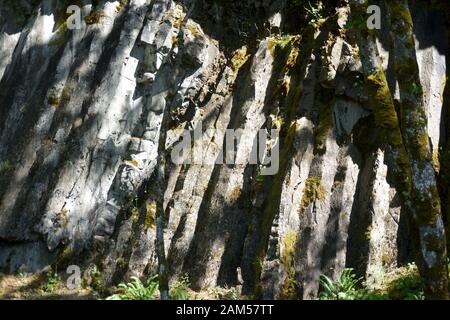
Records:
x=97, y=281
x=121, y=5
x=281, y=43
x=344, y=288
x=258, y=180
x=95, y=17
x=150, y=216
x=356, y=22
x=193, y=29
x=136, y=290
x=289, y=289
x=405, y=284
x=314, y=190
x=385, y=116
x=416, y=89
x=134, y=214
x=325, y=101
x=401, y=284
x=304, y=52
x=54, y=101
x=5, y=166
x=52, y=280
x=284, y=41
x=314, y=11
x=240, y=57
x=179, y=289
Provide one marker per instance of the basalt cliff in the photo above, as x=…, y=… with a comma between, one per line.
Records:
x=88, y=117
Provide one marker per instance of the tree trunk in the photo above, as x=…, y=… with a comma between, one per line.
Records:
x=410, y=139
x=415, y=135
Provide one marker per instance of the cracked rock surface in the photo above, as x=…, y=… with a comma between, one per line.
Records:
x=80, y=119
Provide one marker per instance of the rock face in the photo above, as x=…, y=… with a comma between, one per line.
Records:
x=81, y=115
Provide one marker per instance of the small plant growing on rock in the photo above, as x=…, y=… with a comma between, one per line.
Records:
x=314, y=190
x=405, y=284
x=355, y=23
x=136, y=290
x=52, y=281
x=258, y=179
x=402, y=284
x=95, y=17
x=287, y=256
x=239, y=58
x=344, y=288
x=314, y=12
x=284, y=41
x=416, y=89
x=179, y=289
x=97, y=281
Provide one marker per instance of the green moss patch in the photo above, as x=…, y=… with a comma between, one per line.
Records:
x=314, y=190
x=150, y=216
x=289, y=288
x=5, y=166
x=240, y=57
x=54, y=101
x=95, y=17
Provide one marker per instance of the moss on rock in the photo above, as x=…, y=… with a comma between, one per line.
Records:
x=95, y=17
x=240, y=57
x=314, y=191
x=289, y=289
x=150, y=216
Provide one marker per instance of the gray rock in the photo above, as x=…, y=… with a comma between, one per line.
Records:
x=79, y=136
